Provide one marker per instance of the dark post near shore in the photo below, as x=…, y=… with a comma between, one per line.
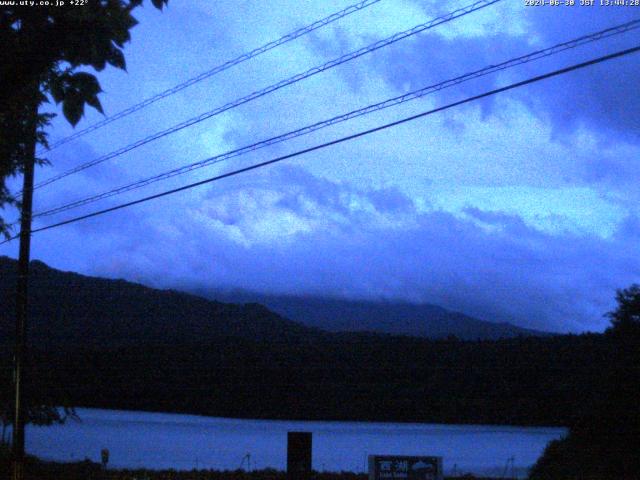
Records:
x=298, y=455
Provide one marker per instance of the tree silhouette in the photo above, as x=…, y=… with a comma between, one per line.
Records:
x=43, y=48
x=600, y=445
x=42, y=51
x=625, y=320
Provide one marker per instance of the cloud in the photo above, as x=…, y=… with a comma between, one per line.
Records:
x=602, y=99
x=522, y=207
x=276, y=235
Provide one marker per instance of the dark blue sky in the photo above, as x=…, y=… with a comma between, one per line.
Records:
x=521, y=208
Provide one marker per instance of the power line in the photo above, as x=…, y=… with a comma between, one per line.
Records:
x=416, y=94
x=277, y=86
x=343, y=139
x=218, y=69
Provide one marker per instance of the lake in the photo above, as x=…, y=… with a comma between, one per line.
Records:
x=184, y=442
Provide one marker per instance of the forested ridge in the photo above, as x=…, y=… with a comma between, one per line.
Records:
x=532, y=381
x=113, y=344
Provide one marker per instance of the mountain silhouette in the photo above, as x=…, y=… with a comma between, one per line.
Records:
x=68, y=308
x=396, y=318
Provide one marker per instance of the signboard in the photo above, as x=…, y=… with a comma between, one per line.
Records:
x=395, y=467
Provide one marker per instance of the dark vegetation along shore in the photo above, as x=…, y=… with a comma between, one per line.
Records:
x=522, y=382
x=113, y=344
x=39, y=470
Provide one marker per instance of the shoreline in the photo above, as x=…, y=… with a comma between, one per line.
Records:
x=338, y=446
x=322, y=420
x=37, y=469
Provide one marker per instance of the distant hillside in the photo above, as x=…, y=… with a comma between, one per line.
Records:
x=122, y=345
x=336, y=315
x=68, y=308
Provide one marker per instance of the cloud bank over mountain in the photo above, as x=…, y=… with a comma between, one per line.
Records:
x=520, y=208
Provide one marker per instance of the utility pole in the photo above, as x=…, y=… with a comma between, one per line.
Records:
x=22, y=290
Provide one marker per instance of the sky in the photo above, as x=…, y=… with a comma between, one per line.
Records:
x=521, y=207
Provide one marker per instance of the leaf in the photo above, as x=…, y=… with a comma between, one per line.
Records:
x=73, y=108
x=98, y=53
x=159, y=4
x=86, y=86
x=95, y=103
x=116, y=58
x=121, y=36
x=85, y=82
x=57, y=89
x=129, y=22
x=42, y=98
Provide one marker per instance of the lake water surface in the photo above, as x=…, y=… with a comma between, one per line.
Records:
x=183, y=442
